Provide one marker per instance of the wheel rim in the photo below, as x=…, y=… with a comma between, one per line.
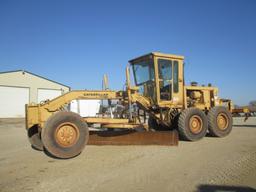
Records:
x=66, y=134
x=195, y=124
x=222, y=121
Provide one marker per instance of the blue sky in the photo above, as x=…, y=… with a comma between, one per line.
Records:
x=76, y=42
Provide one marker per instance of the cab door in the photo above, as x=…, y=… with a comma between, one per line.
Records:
x=165, y=79
x=168, y=82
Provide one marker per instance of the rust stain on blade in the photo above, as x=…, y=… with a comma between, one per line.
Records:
x=133, y=138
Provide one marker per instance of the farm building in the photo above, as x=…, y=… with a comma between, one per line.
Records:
x=18, y=88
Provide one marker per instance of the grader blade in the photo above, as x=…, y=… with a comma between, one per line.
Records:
x=133, y=138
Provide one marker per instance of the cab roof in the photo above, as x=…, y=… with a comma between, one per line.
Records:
x=157, y=54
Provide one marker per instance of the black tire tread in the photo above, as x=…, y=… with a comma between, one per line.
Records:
x=34, y=138
x=50, y=144
x=212, y=127
x=184, y=130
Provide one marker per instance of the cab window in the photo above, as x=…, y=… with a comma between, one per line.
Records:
x=165, y=78
x=175, y=77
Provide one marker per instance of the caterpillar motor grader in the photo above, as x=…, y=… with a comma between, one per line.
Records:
x=160, y=103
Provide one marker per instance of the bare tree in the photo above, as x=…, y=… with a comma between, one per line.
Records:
x=252, y=106
x=236, y=106
x=252, y=103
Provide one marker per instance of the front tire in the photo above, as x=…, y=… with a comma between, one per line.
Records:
x=65, y=134
x=192, y=124
x=220, y=121
x=34, y=137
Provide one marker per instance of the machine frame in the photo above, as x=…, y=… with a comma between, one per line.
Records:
x=179, y=107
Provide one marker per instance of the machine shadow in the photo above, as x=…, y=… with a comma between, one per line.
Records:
x=58, y=158
x=224, y=188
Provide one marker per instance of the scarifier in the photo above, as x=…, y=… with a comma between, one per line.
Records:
x=157, y=110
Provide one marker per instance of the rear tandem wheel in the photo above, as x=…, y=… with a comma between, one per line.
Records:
x=192, y=124
x=220, y=121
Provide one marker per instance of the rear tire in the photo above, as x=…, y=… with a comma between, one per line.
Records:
x=192, y=124
x=220, y=121
x=65, y=134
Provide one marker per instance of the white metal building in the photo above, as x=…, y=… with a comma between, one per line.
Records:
x=85, y=108
x=18, y=88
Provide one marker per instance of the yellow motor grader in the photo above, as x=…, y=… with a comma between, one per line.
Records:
x=159, y=106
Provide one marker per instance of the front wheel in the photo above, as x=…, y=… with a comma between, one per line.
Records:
x=192, y=124
x=65, y=134
x=34, y=138
x=220, y=121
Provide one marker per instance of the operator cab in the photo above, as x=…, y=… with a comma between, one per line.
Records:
x=159, y=77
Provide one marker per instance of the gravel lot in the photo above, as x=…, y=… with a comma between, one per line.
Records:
x=211, y=164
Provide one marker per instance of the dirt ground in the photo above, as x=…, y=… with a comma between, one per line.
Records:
x=211, y=164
